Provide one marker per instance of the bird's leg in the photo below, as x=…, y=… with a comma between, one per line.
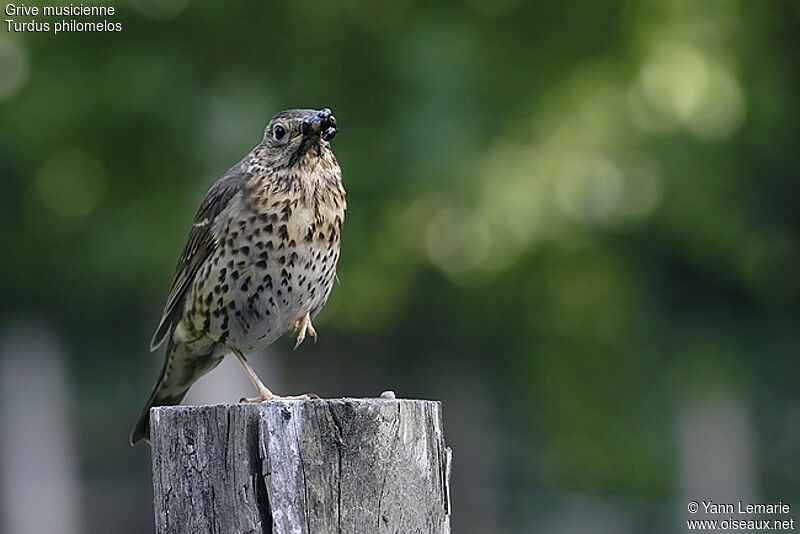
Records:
x=305, y=326
x=264, y=394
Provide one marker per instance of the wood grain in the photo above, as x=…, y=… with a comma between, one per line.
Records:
x=318, y=466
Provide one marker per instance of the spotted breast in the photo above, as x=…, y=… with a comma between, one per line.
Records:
x=277, y=258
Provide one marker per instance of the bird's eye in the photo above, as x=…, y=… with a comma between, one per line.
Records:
x=278, y=132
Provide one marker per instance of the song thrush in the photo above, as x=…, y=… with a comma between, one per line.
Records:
x=260, y=258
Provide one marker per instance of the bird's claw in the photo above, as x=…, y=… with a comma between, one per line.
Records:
x=305, y=326
x=260, y=398
x=264, y=394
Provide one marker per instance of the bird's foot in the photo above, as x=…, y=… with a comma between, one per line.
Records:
x=305, y=326
x=263, y=395
x=304, y=396
x=272, y=397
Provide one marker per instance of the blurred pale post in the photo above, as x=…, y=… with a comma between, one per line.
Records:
x=38, y=471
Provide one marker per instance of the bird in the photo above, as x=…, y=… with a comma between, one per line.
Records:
x=260, y=259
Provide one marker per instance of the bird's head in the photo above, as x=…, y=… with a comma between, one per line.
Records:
x=295, y=133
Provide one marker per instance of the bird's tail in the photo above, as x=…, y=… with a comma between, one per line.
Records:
x=181, y=369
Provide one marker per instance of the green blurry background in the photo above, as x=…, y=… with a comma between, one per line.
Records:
x=576, y=223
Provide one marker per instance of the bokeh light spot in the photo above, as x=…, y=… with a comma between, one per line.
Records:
x=457, y=240
x=722, y=108
x=590, y=187
x=13, y=68
x=680, y=84
x=674, y=80
x=71, y=183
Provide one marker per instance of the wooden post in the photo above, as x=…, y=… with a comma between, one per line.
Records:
x=309, y=467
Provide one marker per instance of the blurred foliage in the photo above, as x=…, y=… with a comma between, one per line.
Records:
x=592, y=204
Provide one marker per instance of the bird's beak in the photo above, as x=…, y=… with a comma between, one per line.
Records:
x=322, y=124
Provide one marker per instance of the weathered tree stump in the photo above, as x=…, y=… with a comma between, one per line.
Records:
x=312, y=467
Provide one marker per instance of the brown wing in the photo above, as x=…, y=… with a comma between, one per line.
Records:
x=200, y=244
